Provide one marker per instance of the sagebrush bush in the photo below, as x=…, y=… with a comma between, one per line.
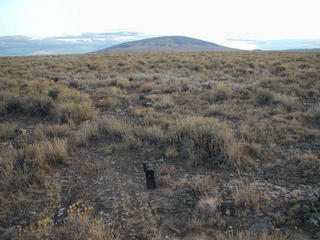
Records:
x=263, y=97
x=147, y=86
x=309, y=162
x=316, y=113
x=48, y=98
x=219, y=94
x=291, y=103
x=123, y=83
x=11, y=102
x=148, y=101
x=38, y=105
x=205, y=140
x=278, y=69
x=76, y=112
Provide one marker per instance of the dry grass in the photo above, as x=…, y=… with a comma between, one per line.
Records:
x=77, y=226
x=234, y=110
x=147, y=86
x=165, y=176
x=52, y=131
x=246, y=198
x=246, y=235
x=220, y=93
x=47, y=98
x=114, y=128
x=26, y=166
x=205, y=140
x=7, y=130
x=309, y=163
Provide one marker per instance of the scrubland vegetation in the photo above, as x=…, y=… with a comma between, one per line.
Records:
x=234, y=138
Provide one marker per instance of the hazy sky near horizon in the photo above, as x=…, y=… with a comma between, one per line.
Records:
x=205, y=19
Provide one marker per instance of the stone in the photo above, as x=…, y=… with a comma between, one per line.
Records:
x=315, y=197
x=145, y=101
x=312, y=219
x=262, y=224
x=227, y=209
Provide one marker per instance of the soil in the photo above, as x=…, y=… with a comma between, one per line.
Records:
x=119, y=184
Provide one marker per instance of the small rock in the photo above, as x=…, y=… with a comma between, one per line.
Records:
x=313, y=219
x=227, y=209
x=277, y=187
x=315, y=197
x=61, y=211
x=262, y=224
x=230, y=187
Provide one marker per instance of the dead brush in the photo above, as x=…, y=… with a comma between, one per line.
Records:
x=123, y=83
x=139, y=220
x=165, y=176
x=248, y=235
x=263, y=97
x=291, y=103
x=221, y=93
x=52, y=131
x=44, y=154
x=309, y=162
x=107, y=102
x=114, y=128
x=205, y=140
x=246, y=198
x=72, y=111
x=47, y=98
x=152, y=134
x=76, y=226
x=147, y=86
x=316, y=114
x=208, y=206
x=203, y=184
x=87, y=131
x=171, y=152
x=7, y=130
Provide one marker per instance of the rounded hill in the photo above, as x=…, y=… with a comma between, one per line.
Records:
x=167, y=44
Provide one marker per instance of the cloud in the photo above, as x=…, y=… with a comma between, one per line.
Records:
x=278, y=44
x=20, y=45
x=66, y=44
x=42, y=53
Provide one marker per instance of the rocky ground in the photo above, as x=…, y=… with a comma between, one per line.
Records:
x=235, y=148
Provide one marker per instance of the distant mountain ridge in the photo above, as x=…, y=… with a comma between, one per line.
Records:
x=167, y=44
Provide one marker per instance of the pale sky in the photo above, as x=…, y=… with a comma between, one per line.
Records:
x=208, y=20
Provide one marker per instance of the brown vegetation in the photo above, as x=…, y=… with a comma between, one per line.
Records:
x=222, y=130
